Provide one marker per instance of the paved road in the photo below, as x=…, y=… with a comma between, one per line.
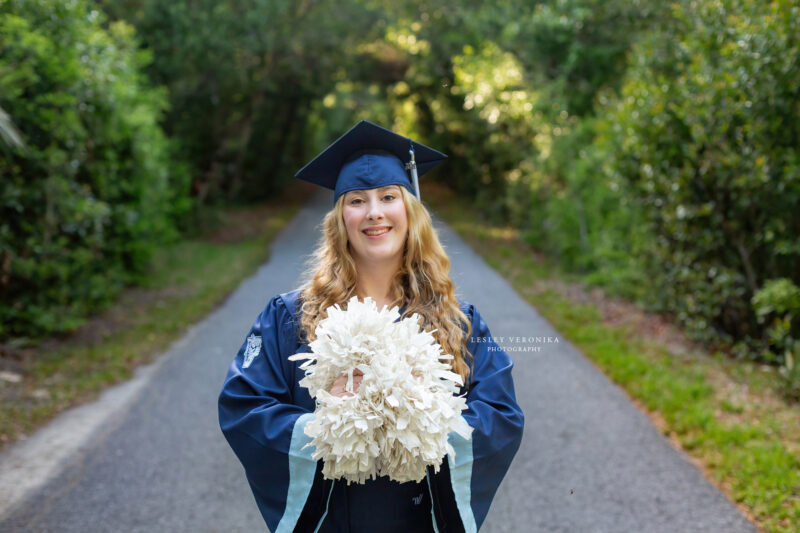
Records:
x=589, y=461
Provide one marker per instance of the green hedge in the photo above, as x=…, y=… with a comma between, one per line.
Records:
x=94, y=187
x=706, y=139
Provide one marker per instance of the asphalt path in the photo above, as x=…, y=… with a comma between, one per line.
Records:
x=589, y=460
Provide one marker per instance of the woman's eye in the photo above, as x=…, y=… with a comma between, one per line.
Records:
x=389, y=196
x=355, y=201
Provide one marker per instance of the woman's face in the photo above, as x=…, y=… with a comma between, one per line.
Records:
x=377, y=224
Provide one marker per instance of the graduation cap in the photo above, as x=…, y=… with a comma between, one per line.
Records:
x=369, y=156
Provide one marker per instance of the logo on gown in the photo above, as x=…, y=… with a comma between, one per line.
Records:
x=251, y=350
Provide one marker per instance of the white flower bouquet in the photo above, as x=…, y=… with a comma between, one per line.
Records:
x=397, y=422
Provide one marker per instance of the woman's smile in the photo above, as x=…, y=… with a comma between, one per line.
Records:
x=376, y=232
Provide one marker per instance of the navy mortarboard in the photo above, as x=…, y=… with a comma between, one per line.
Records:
x=369, y=156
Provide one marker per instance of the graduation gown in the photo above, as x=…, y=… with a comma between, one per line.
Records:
x=263, y=411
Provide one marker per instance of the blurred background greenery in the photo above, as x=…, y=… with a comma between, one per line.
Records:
x=653, y=147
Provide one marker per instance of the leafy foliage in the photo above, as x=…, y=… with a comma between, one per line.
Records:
x=83, y=201
x=242, y=77
x=704, y=138
x=651, y=147
x=777, y=306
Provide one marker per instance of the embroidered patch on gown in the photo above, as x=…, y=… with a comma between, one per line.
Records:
x=252, y=350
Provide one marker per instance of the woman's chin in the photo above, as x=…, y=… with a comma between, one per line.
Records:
x=380, y=256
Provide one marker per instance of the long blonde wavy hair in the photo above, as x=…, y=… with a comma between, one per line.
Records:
x=423, y=282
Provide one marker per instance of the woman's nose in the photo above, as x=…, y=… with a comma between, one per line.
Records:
x=375, y=210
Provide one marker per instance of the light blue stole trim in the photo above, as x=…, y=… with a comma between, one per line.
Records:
x=327, y=504
x=302, y=468
x=461, y=479
x=433, y=514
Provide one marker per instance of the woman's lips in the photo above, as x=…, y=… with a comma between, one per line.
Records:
x=377, y=233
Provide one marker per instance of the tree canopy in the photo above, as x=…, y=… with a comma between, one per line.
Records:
x=651, y=147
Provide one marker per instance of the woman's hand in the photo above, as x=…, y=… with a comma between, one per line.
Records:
x=338, y=387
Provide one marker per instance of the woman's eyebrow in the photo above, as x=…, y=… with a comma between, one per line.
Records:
x=379, y=189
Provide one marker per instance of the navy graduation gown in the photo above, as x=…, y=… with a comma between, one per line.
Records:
x=263, y=411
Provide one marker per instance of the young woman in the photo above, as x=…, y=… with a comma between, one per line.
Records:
x=378, y=242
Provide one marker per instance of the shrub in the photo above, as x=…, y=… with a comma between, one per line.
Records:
x=83, y=203
x=706, y=135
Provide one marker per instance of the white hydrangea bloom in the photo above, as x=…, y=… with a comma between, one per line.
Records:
x=398, y=421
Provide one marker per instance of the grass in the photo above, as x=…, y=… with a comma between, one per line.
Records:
x=727, y=415
x=187, y=280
